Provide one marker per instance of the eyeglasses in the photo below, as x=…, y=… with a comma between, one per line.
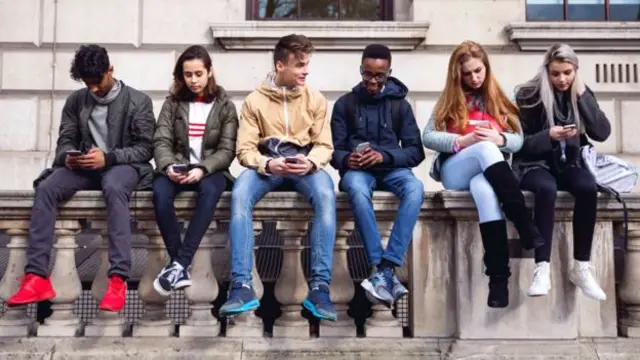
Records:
x=368, y=75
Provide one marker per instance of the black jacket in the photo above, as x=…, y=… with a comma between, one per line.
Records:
x=373, y=123
x=538, y=149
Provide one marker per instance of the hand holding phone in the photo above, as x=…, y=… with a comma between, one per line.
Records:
x=570, y=126
x=292, y=160
x=73, y=152
x=362, y=147
x=71, y=159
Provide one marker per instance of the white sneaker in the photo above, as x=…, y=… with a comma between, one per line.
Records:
x=581, y=276
x=541, y=283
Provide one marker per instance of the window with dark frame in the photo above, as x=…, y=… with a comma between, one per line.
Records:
x=367, y=10
x=583, y=10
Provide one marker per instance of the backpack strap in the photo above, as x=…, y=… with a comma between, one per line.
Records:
x=350, y=104
x=625, y=212
x=396, y=121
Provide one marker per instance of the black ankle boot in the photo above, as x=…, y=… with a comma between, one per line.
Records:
x=507, y=189
x=498, y=292
x=496, y=261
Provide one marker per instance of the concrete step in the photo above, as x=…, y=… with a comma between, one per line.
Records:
x=326, y=349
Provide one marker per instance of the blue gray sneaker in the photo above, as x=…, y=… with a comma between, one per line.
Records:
x=398, y=289
x=241, y=298
x=379, y=287
x=318, y=302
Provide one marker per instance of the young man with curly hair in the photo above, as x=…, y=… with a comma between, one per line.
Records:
x=105, y=142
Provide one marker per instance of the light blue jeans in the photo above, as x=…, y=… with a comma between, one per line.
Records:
x=464, y=171
x=250, y=187
x=401, y=182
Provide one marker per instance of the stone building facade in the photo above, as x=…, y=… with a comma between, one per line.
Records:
x=144, y=38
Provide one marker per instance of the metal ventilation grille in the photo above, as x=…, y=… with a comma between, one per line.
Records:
x=617, y=73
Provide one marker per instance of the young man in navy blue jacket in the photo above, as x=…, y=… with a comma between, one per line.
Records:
x=377, y=142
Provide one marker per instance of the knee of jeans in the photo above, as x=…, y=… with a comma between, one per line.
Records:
x=324, y=199
x=414, y=190
x=161, y=200
x=240, y=201
x=358, y=193
x=48, y=190
x=211, y=189
x=488, y=150
x=355, y=185
x=114, y=191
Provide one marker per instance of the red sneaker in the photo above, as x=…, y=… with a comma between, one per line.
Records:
x=33, y=289
x=115, y=296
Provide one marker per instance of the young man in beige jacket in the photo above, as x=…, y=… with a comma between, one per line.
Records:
x=284, y=139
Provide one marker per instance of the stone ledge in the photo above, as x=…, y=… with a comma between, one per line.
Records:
x=326, y=35
x=15, y=205
x=333, y=349
x=582, y=36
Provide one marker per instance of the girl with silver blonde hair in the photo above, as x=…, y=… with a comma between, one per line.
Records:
x=560, y=114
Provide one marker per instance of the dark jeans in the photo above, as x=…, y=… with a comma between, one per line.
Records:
x=545, y=185
x=117, y=184
x=164, y=193
x=360, y=185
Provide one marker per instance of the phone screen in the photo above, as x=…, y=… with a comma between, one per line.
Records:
x=180, y=168
x=362, y=147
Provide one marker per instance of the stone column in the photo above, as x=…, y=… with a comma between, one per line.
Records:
x=202, y=292
x=291, y=287
x=630, y=285
x=106, y=323
x=248, y=324
x=342, y=289
x=15, y=322
x=64, y=278
x=382, y=323
x=154, y=322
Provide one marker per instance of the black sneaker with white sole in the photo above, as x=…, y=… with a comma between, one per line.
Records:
x=167, y=278
x=183, y=280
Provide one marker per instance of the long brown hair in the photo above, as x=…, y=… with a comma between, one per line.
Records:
x=452, y=105
x=179, y=90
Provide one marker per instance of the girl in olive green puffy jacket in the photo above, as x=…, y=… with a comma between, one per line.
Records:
x=194, y=145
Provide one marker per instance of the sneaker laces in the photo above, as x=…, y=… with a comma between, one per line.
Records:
x=537, y=277
x=584, y=273
x=173, y=274
x=238, y=286
x=380, y=279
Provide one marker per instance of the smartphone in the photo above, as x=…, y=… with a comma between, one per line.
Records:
x=181, y=168
x=73, y=152
x=362, y=147
x=570, y=126
x=291, y=160
x=483, y=123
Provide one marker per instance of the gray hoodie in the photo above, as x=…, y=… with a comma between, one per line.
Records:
x=98, y=120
